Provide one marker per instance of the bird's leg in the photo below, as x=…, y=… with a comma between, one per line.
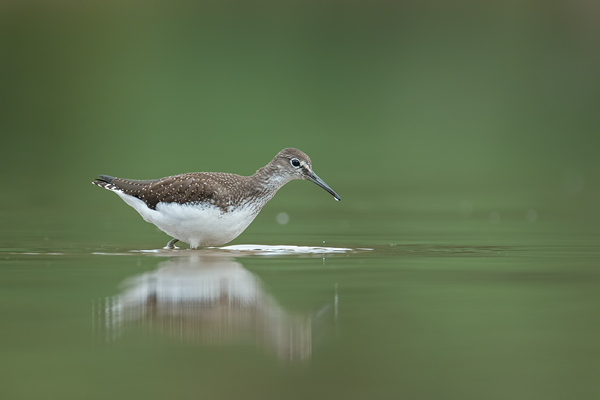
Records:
x=171, y=244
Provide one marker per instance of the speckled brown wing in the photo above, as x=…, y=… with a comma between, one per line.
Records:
x=212, y=188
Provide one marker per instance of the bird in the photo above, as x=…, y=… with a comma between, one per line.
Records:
x=211, y=208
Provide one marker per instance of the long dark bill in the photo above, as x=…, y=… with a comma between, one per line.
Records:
x=314, y=178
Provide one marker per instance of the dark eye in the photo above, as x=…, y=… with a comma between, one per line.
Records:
x=295, y=162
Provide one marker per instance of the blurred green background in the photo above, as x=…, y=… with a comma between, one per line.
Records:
x=462, y=137
x=404, y=107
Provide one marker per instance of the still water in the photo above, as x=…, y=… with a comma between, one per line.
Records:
x=460, y=314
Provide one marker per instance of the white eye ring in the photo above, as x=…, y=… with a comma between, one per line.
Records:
x=295, y=162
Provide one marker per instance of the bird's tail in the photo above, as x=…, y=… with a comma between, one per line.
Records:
x=105, y=182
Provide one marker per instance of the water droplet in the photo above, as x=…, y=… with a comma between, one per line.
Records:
x=494, y=217
x=531, y=215
x=282, y=218
x=466, y=208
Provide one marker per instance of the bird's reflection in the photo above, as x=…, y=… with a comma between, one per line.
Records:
x=209, y=300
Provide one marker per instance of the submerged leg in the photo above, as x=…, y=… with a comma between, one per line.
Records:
x=171, y=244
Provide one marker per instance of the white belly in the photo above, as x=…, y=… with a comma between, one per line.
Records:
x=198, y=225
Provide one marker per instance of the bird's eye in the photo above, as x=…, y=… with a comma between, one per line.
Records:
x=295, y=162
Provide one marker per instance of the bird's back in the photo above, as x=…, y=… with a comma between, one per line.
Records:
x=216, y=188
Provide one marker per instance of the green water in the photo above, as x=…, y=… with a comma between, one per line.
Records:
x=462, y=139
x=481, y=310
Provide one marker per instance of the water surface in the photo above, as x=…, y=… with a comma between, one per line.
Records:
x=518, y=319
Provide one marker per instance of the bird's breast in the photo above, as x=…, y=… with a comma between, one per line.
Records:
x=203, y=224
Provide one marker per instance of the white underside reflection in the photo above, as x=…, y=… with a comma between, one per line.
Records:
x=209, y=300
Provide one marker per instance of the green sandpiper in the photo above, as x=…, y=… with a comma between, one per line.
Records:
x=211, y=208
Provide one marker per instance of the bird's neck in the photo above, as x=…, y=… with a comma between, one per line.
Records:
x=270, y=178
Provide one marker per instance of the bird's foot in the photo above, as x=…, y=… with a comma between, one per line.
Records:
x=171, y=245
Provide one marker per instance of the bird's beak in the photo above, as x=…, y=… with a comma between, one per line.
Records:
x=314, y=178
